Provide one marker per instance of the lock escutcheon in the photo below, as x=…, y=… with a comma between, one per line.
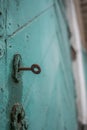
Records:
x=17, y=63
x=17, y=118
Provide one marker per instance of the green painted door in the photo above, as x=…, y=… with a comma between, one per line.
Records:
x=38, y=32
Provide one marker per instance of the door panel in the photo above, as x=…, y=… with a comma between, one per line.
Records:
x=36, y=89
x=45, y=97
x=48, y=98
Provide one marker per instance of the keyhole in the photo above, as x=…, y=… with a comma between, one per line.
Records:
x=0, y=13
x=19, y=118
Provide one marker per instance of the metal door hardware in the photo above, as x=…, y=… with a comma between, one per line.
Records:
x=34, y=68
x=17, y=63
x=17, y=118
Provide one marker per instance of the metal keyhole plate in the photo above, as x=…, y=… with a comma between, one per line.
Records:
x=17, y=61
x=17, y=68
x=18, y=118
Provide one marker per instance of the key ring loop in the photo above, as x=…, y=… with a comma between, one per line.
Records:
x=37, y=67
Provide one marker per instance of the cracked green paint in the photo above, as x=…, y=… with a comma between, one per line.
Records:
x=37, y=30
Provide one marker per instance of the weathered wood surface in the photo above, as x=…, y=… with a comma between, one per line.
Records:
x=38, y=31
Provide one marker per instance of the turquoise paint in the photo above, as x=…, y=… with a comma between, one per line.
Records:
x=38, y=31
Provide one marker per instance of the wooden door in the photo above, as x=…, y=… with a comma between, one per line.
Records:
x=36, y=30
